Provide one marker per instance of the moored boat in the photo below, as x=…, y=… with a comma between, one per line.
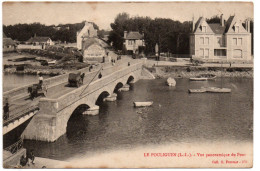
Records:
x=218, y=90
x=201, y=90
x=142, y=104
x=210, y=90
x=203, y=77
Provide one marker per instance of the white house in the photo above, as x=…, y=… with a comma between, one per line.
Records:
x=87, y=31
x=93, y=50
x=42, y=41
x=133, y=40
x=226, y=41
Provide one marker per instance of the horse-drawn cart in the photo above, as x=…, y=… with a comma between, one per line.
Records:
x=76, y=80
x=37, y=90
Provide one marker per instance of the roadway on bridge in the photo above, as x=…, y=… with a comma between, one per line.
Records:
x=23, y=104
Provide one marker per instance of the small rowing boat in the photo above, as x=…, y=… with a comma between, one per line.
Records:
x=202, y=90
x=210, y=90
x=203, y=77
x=218, y=90
x=142, y=104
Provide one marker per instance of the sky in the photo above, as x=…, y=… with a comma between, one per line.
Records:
x=104, y=13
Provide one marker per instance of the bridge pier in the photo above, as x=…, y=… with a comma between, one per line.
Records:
x=92, y=111
x=125, y=88
x=110, y=98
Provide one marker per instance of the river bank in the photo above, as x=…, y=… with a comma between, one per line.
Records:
x=187, y=72
x=35, y=71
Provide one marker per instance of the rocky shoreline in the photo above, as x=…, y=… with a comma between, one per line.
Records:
x=182, y=72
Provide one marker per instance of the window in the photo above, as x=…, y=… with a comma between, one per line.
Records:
x=234, y=41
x=204, y=29
x=220, y=52
x=201, y=40
x=206, y=53
x=131, y=42
x=237, y=53
x=206, y=40
x=239, y=41
x=201, y=53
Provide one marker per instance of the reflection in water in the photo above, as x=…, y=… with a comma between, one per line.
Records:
x=176, y=116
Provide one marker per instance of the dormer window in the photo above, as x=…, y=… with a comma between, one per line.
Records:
x=236, y=29
x=204, y=29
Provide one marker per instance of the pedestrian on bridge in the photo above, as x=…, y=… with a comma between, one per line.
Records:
x=30, y=155
x=40, y=79
x=6, y=110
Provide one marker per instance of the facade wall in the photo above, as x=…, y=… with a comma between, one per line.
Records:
x=94, y=52
x=192, y=45
x=204, y=45
x=234, y=45
x=133, y=44
x=87, y=31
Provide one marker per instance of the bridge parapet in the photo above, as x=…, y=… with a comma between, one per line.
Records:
x=56, y=105
x=49, y=82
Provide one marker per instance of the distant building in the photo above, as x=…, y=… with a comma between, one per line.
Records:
x=133, y=40
x=93, y=50
x=226, y=41
x=8, y=44
x=86, y=32
x=43, y=41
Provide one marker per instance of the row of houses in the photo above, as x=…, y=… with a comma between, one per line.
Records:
x=227, y=40
x=33, y=43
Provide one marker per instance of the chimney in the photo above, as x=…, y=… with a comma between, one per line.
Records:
x=222, y=20
x=248, y=26
x=193, y=24
x=125, y=32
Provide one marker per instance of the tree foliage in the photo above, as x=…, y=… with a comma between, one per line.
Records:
x=172, y=36
x=24, y=32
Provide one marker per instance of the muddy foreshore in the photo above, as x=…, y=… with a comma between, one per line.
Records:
x=184, y=72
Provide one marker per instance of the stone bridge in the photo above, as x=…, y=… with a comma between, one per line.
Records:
x=51, y=121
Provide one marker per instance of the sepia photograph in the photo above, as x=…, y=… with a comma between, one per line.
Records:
x=127, y=84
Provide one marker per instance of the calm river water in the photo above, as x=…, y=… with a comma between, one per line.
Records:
x=11, y=81
x=176, y=116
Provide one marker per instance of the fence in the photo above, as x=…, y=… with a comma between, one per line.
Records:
x=14, y=148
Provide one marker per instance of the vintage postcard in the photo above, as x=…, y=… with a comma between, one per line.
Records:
x=127, y=84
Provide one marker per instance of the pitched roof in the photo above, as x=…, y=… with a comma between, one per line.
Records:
x=197, y=23
x=134, y=35
x=217, y=28
x=229, y=22
x=38, y=39
x=8, y=41
x=90, y=41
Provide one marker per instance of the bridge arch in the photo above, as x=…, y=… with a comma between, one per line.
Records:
x=101, y=96
x=118, y=86
x=76, y=122
x=130, y=79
